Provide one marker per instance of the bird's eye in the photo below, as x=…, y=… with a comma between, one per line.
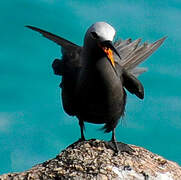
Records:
x=94, y=35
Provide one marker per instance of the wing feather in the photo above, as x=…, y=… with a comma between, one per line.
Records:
x=57, y=39
x=141, y=54
x=133, y=54
x=120, y=44
x=125, y=51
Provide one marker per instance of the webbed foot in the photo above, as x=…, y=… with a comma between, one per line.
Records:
x=119, y=147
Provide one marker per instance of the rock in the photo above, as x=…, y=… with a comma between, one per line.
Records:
x=93, y=160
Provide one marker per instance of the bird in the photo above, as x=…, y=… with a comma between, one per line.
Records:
x=97, y=76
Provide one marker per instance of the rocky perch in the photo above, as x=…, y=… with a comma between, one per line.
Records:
x=93, y=160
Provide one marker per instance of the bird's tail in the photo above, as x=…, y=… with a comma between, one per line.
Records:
x=107, y=128
x=111, y=125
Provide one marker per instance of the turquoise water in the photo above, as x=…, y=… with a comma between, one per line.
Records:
x=33, y=126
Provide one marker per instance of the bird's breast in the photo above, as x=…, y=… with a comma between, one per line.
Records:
x=100, y=91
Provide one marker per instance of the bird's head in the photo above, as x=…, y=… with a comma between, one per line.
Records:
x=101, y=35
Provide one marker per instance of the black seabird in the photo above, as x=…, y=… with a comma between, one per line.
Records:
x=95, y=76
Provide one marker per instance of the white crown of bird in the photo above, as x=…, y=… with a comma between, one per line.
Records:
x=105, y=31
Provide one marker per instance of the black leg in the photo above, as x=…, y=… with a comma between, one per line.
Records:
x=114, y=141
x=81, y=124
x=119, y=146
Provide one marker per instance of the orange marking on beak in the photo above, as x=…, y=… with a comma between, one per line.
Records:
x=109, y=54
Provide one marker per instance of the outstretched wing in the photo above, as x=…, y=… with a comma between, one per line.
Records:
x=68, y=67
x=70, y=51
x=57, y=39
x=133, y=54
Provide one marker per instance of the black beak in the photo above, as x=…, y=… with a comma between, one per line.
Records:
x=110, y=45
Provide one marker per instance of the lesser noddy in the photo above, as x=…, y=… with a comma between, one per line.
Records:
x=95, y=76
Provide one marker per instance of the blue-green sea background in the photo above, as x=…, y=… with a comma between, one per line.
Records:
x=33, y=125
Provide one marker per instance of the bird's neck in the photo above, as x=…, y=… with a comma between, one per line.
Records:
x=91, y=54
